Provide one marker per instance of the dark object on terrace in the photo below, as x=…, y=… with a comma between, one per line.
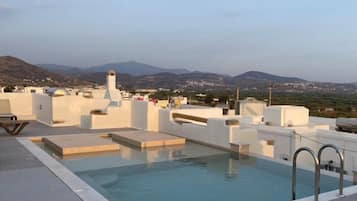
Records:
x=225, y=111
x=13, y=127
x=8, y=116
x=232, y=122
x=98, y=112
x=346, y=125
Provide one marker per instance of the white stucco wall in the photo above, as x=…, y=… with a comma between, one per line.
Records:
x=201, y=112
x=116, y=117
x=42, y=108
x=139, y=114
x=166, y=123
x=248, y=136
x=321, y=120
x=282, y=137
x=346, y=141
x=286, y=116
x=287, y=140
x=145, y=115
x=252, y=109
x=98, y=93
x=20, y=104
x=152, y=117
x=71, y=108
x=296, y=116
x=215, y=132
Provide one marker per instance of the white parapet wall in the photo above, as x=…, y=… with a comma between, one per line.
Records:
x=145, y=115
x=201, y=112
x=251, y=107
x=282, y=139
x=68, y=110
x=167, y=124
x=286, y=140
x=285, y=115
x=249, y=136
x=215, y=132
x=322, y=120
x=73, y=110
x=64, y=110
x=115, y=117
x=20, y=104
x=346, y=142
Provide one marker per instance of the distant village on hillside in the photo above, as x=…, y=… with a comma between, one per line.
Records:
x=199, y=88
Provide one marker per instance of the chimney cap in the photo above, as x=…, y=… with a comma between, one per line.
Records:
x=111, y=72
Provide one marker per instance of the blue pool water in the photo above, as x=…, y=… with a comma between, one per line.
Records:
x=192, y=173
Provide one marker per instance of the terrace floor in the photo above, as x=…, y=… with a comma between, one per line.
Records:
x=24, y=178
x=348, y=198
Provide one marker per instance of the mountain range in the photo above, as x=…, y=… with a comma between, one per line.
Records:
x=138, y=75
x=133, y=75
x=14, y=71
x=130, y=67
x=134, y=68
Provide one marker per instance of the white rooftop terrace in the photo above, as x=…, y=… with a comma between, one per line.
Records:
x=282, y=132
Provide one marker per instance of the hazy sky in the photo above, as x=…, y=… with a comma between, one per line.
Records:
x=312, y=39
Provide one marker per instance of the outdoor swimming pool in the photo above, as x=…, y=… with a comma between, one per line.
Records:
x=191, y=172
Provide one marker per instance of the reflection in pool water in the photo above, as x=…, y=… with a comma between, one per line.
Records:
x=191, y=172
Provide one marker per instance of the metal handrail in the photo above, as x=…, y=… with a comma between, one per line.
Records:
x=317, y=172
x=341, y=163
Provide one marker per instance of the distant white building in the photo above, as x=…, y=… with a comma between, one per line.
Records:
x=38, y=90
x=286, y=115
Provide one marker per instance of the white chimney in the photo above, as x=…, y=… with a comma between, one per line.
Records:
x=112, y=92
x=111, y=80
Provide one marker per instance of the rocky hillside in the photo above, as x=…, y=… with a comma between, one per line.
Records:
x=261, y=76
x=14, y=71
x=131, y=67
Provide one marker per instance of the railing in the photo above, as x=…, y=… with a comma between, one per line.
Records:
x=341, y=163
x=317, y=161
x=317, y=172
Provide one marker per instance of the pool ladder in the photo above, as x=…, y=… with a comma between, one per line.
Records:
x=317, y=161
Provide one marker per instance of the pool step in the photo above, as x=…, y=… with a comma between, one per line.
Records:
x=78, y=144
x=145, y=139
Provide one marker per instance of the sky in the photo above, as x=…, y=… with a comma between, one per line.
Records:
x=315, y=40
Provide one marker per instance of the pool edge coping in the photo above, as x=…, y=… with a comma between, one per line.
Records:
x=86, y=193
x=332, y=195
x=72, y=181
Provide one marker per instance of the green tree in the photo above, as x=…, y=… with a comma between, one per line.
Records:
x=209, y=98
